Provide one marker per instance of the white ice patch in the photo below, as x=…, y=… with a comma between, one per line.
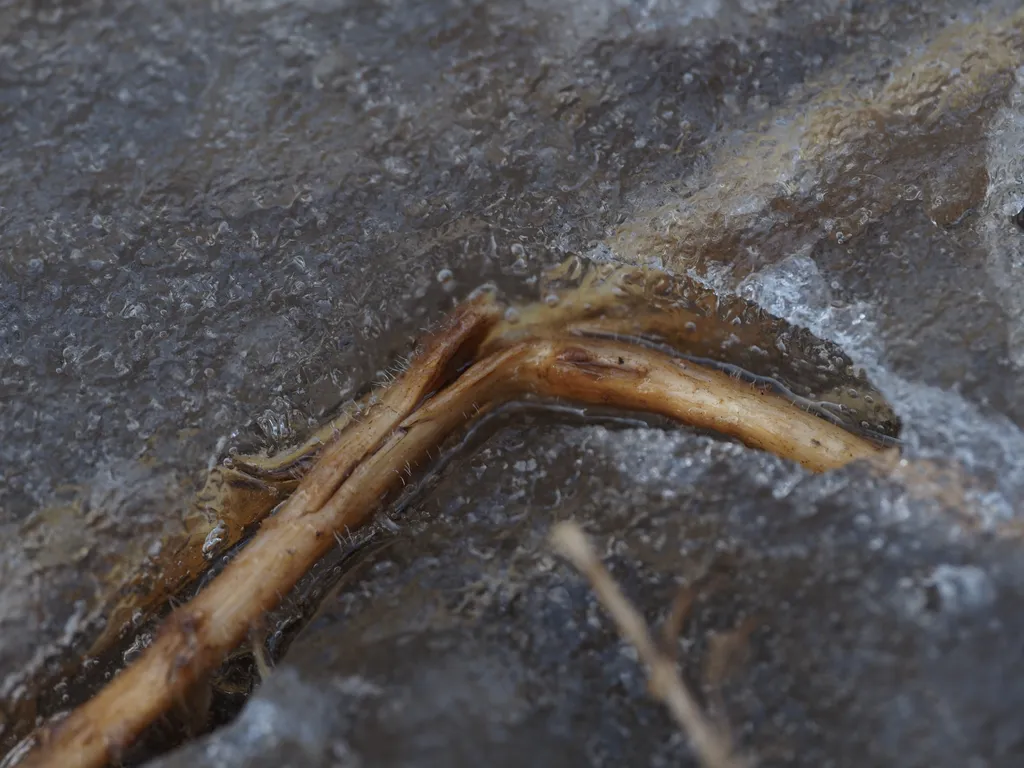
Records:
x=290, y=711
x=592, y=19
x=947, y=591
x=937, y=424
x=1005, y=198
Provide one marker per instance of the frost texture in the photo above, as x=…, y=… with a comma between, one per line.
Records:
x=1004, y=201
x=222, y=219
x=937, y=423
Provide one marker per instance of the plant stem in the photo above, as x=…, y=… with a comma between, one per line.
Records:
x=371, y=460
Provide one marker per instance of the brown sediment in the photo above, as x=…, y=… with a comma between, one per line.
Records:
x=371, y=460
x=828, y=168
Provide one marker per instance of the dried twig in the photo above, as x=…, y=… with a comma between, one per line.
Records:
x=196, y=637
x=245, y=493
x=372, y=459
x=712, y=746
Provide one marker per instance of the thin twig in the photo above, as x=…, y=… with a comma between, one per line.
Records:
x=259, y=656
x=711, y=746
x=682, y=604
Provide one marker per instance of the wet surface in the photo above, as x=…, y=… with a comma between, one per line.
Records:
x=218, y=222
x=466, y=639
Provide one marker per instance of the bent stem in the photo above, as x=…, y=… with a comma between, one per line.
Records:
x=354, y=475
x=440, y=353
x=638, y=305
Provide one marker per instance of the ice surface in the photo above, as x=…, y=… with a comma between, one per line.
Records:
x=1004, y=200
x=221, y=220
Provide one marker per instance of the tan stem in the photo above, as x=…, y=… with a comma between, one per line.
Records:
x=656, y=308
x=342, y=492
x=244, y=494
x=455, y=342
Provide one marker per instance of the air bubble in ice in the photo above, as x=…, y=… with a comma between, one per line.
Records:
x=960, y=588
x=481, y=290
x=446, y=279
x=274, y=425
x=519, y=266
x=214, y=539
